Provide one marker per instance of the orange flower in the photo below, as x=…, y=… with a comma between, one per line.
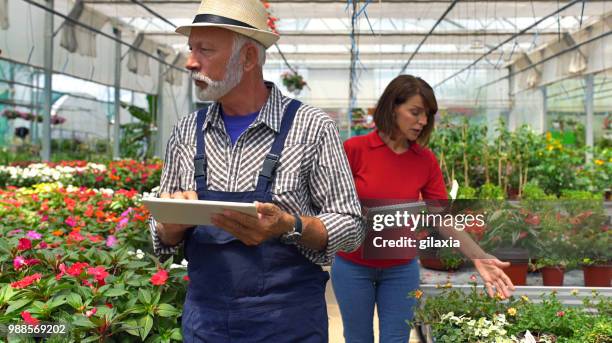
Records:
x=418, y=294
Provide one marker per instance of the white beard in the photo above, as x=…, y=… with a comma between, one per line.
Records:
x=217, y=89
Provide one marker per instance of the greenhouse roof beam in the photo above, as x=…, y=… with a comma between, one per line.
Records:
x=559, y=10
x=448, y=9
x=572, y=48
x=111, y=37
x=385, y=9
x=148, y=9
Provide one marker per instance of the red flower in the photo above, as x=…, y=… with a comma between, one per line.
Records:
x=75, y=236
x=26, y=281
x=186, y=278
x=99, y=273
x=109, y=305
x=27, y=317
x=560, y=314
x=533, y=220
x=24, y=244
x=159, y=278
x=76, y=269
x=89, y=212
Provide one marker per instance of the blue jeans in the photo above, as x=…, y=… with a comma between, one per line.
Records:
x=358, y=288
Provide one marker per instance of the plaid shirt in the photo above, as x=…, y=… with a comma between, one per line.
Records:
x=313, y=177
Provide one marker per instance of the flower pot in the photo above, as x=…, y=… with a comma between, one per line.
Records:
x=519, y=264
x=597, y=275
x=430, y=259
x=552, y=276
x=517, y=272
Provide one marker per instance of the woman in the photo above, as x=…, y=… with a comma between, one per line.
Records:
x=393, y=163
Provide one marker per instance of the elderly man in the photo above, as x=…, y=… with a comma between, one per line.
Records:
x=254, y=279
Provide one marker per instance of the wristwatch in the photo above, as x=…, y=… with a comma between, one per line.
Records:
x=293, y=236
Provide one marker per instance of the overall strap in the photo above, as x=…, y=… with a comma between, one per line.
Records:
x=266, y=176
x=199, y=160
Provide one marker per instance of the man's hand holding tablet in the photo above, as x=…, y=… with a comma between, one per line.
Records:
x=170, y=233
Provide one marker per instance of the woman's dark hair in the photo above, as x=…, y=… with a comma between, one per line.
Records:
x=398, y=92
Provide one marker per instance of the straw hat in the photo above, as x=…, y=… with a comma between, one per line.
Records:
x=247, y=17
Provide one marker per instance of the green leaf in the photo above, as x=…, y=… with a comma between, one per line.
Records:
x=156, y=298
x=16, y=305
x=6, y=293
x=102, y=289
x=131, y=327
x=146, y=324
x=94, y=338
x=137, y=265
x=56, y=302
x=84, y=322
x=115, y=292
x=74, y=300
x=176, y=334
x=144, y=296
x=167, y=310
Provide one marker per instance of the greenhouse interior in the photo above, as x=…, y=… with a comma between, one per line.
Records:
x=97, y=98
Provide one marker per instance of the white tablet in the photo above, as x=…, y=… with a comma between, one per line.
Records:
x=192, y=212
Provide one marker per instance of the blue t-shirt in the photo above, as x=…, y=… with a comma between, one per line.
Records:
x=236, y=125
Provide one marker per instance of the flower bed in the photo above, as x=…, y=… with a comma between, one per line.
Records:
x=124, y=174
x=74, y=255
x=455, y=316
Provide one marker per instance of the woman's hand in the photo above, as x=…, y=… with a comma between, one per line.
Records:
x=490, y=270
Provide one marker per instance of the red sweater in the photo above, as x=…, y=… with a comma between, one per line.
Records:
x=380, y=173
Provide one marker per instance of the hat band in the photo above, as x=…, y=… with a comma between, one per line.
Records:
x=217, y=19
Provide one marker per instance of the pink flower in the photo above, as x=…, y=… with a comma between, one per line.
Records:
x=126, y=212
x=70, y=222
x=91, y=312
x=560, y=314
x=33, y=235
x=18, y=262
x=122, y=223
x=14, y=232
x=159, y=278
x=24, y=244
x=27, y=317
x=43, y=245
x=111, y=241
x=44, y=218
x=473, y=277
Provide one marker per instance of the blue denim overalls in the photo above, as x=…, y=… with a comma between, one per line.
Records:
x=240, y=293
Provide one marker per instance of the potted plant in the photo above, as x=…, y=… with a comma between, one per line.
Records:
x=556, y=243
x=293, y=81
x=511, y=236
x=591, y=234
